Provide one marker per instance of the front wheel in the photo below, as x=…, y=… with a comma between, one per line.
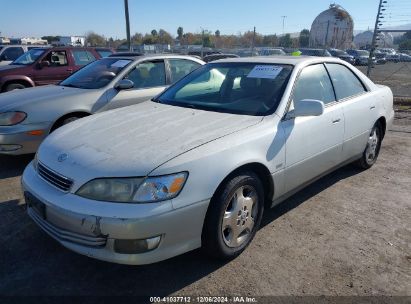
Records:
x=15, y=86
x=234, y=216
x=372, y=149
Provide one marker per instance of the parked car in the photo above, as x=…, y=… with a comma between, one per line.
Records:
x=28, y=116
x=198, y=164
x=10, y=52
x=360, y=56
x=41, y=66
x=315, y=52
x=405, y=57
x=380, y=57
x=342, y=55
x=272, y=52
x=214, y=57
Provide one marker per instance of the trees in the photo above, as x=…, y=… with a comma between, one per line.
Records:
x=286, y=41
x=94, y=39
x=154, y=33
x=180, y=33
x=304, y=39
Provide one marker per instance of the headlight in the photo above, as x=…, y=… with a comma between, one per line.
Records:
x=12, y=118
x=134, y=190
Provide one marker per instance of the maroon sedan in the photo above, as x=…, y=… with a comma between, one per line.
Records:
x=41, y=66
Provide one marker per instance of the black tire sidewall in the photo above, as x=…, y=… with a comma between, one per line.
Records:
x=15, y=86
x=212, y=236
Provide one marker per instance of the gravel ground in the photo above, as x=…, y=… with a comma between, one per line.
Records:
x=348, y=234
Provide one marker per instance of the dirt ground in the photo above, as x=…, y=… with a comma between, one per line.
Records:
x=348, y=234
x=395, y=75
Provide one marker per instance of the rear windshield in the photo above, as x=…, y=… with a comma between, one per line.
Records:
x=237, y=88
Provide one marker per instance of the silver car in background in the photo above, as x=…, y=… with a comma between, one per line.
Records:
x=28, y=116
x=196, y=166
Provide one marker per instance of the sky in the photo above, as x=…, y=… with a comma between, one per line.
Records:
x=36, y=18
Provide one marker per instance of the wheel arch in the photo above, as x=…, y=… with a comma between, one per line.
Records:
x=60, y=120
x=24, y=82
x=383, y=122
x=261, y=171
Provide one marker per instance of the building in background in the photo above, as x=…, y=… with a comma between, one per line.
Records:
x=72, y=40
x=32, y=40
x=4, y=40
x=332, y=28
x=364, y=40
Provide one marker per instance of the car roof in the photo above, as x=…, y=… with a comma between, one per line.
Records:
x=293, y=60
x=137, y=56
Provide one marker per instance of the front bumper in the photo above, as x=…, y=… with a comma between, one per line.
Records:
x=95, y=235
x=18, y=135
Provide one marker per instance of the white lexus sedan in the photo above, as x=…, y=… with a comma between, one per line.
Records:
x=197, y=165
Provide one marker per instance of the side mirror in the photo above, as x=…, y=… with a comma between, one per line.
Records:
x=43, y=64
x=124, y=84
x=308, y=107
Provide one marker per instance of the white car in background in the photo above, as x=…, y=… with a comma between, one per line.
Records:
x=28, y=116
x=196, y=166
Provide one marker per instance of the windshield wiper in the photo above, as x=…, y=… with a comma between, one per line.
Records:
x=71, y=86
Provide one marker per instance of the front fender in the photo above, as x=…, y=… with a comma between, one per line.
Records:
x=15, y=78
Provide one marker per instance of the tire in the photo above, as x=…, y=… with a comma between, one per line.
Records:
x=14, y=86
x=372, y=150
x=64, y=122
x=234, y=216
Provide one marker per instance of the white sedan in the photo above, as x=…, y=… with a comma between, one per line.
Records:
x=196, y=166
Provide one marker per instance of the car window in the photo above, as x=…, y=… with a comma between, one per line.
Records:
x=313, y=83
x=12, y=53
x=346, y=84
x=82, y=57
x=56, y=58
x=181, y=67
x=148, y=74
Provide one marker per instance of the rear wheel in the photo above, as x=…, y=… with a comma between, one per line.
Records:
x=234, y=216
x=14, y=86
x=372, y=149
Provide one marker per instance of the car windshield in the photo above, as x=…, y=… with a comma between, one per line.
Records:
x=29, y=57
x=363, y=53
x=338, y=53
x=237, y=88
x=97, y=74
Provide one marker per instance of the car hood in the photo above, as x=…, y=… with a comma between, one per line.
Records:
x=20, y=99
x=133, y=141
x=11, y=67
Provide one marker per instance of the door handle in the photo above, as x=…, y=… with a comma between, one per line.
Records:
x=336, y=120
x=70, y=70
x=372, y=107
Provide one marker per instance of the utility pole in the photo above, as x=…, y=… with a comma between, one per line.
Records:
x=283, y=23
x=127, y=24
x=202, y=43
x=374, y=37
x=253, y=45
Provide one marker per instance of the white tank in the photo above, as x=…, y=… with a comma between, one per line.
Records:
x=332, y=28
x=364, y=39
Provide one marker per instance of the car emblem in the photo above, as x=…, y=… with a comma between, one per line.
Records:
x=62, y=157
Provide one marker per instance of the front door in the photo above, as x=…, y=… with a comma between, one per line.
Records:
x=149, y=80
x=54, y=67
x=313, y=143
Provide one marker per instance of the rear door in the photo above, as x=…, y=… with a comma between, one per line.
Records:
x=313, y=143
x=59, y=67
x=359, y=108
x=149, y=78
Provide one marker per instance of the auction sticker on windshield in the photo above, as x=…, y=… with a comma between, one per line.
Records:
x=120, y=63
x=265, y=71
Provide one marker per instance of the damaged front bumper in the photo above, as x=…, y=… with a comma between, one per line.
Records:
x=95, y=229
